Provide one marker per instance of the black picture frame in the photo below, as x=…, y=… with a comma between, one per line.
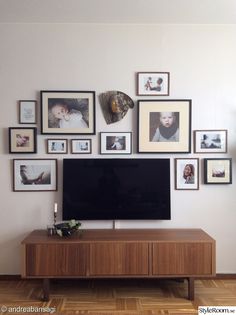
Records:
x=210, y=141
x=27, y=111
x=115, y=143
x=150, y=114
x=68, y=112
x=187, y=173
x=34, y=175
x=22, y=140
x=81, y=146
x=217, y=171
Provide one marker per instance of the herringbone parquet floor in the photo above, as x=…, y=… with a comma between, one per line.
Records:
x=116, y=297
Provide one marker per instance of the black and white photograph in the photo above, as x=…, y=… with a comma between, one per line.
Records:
x=164, y=126
x=218, y=171
x=68, y=112
x=57, y=146
x=34, y=174
x=187, y=174
x=210, y=141
x=81, y=146
x=22, y=140
x=116, y=142
x=153, y=83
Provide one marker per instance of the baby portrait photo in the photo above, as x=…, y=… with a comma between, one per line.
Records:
x=68, y=112
x=164, y=126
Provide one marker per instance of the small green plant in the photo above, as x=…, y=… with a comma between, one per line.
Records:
x=67, y=228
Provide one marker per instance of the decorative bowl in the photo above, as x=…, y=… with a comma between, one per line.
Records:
x=67, y=228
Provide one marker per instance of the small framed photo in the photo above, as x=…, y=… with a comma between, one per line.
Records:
x=67, y=112
x=34, y=175
x=116, y=142
x=187, y=174
x=210, y=141
x=153, y=83
x=164, y=126
x=27, y=112
x=22, y=140
x=81, y=146
x=56, y=146
x=218, y=171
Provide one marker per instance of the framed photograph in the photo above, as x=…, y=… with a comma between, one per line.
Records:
x=35, y=175
x=116, y=142
x=187, y=174
x=56, y=146
x=27, y=112
x=81, y=146
x=164, y=126
x=218, y=171
x=67, y=112
x=153, y=83
x=210, y=141
x=22, y=140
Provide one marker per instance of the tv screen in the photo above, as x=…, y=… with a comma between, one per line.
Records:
x=116, y=189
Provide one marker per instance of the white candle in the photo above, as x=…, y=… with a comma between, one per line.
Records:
x=55, y=207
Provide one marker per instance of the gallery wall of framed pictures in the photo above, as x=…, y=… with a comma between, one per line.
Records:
x=164, y=126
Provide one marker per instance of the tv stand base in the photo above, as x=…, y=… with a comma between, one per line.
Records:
x=120, y=253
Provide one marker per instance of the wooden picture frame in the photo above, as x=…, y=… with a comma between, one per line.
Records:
x=153, y=83
x=57, y=146
x=67, y=112
x=27, y=112
x=218, y=171
x=164, y=126
x=115, y=143
x=81, y=146
x=210, y=141
x=34, y=175
x=22, y=139
x=186, y=173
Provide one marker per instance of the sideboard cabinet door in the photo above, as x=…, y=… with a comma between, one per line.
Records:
x=108, y=258
x=183, y=259
x=56, y=259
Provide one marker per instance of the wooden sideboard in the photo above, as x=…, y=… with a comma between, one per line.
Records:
x=120, y=253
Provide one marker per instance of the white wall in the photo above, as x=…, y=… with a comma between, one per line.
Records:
x=202, y=65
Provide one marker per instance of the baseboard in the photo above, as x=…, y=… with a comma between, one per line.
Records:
x=223, y=276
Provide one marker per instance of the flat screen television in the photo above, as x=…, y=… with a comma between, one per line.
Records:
x=116, y=189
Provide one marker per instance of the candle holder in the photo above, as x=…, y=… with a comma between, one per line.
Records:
x=55, y=218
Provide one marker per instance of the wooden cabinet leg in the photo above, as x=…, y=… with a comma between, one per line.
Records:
x=191, y=289
x=46, y=289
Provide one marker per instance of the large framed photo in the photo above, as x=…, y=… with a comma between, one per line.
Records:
x=210, y=141
x=187, y=174
x=22, y=140
x=81, y=146
x=68, y=112
x=153, y=83
x=116, y=142
x=34, y=175
x=57, y=146
x=218, y=171
x=164, y=126
x=27, y=112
